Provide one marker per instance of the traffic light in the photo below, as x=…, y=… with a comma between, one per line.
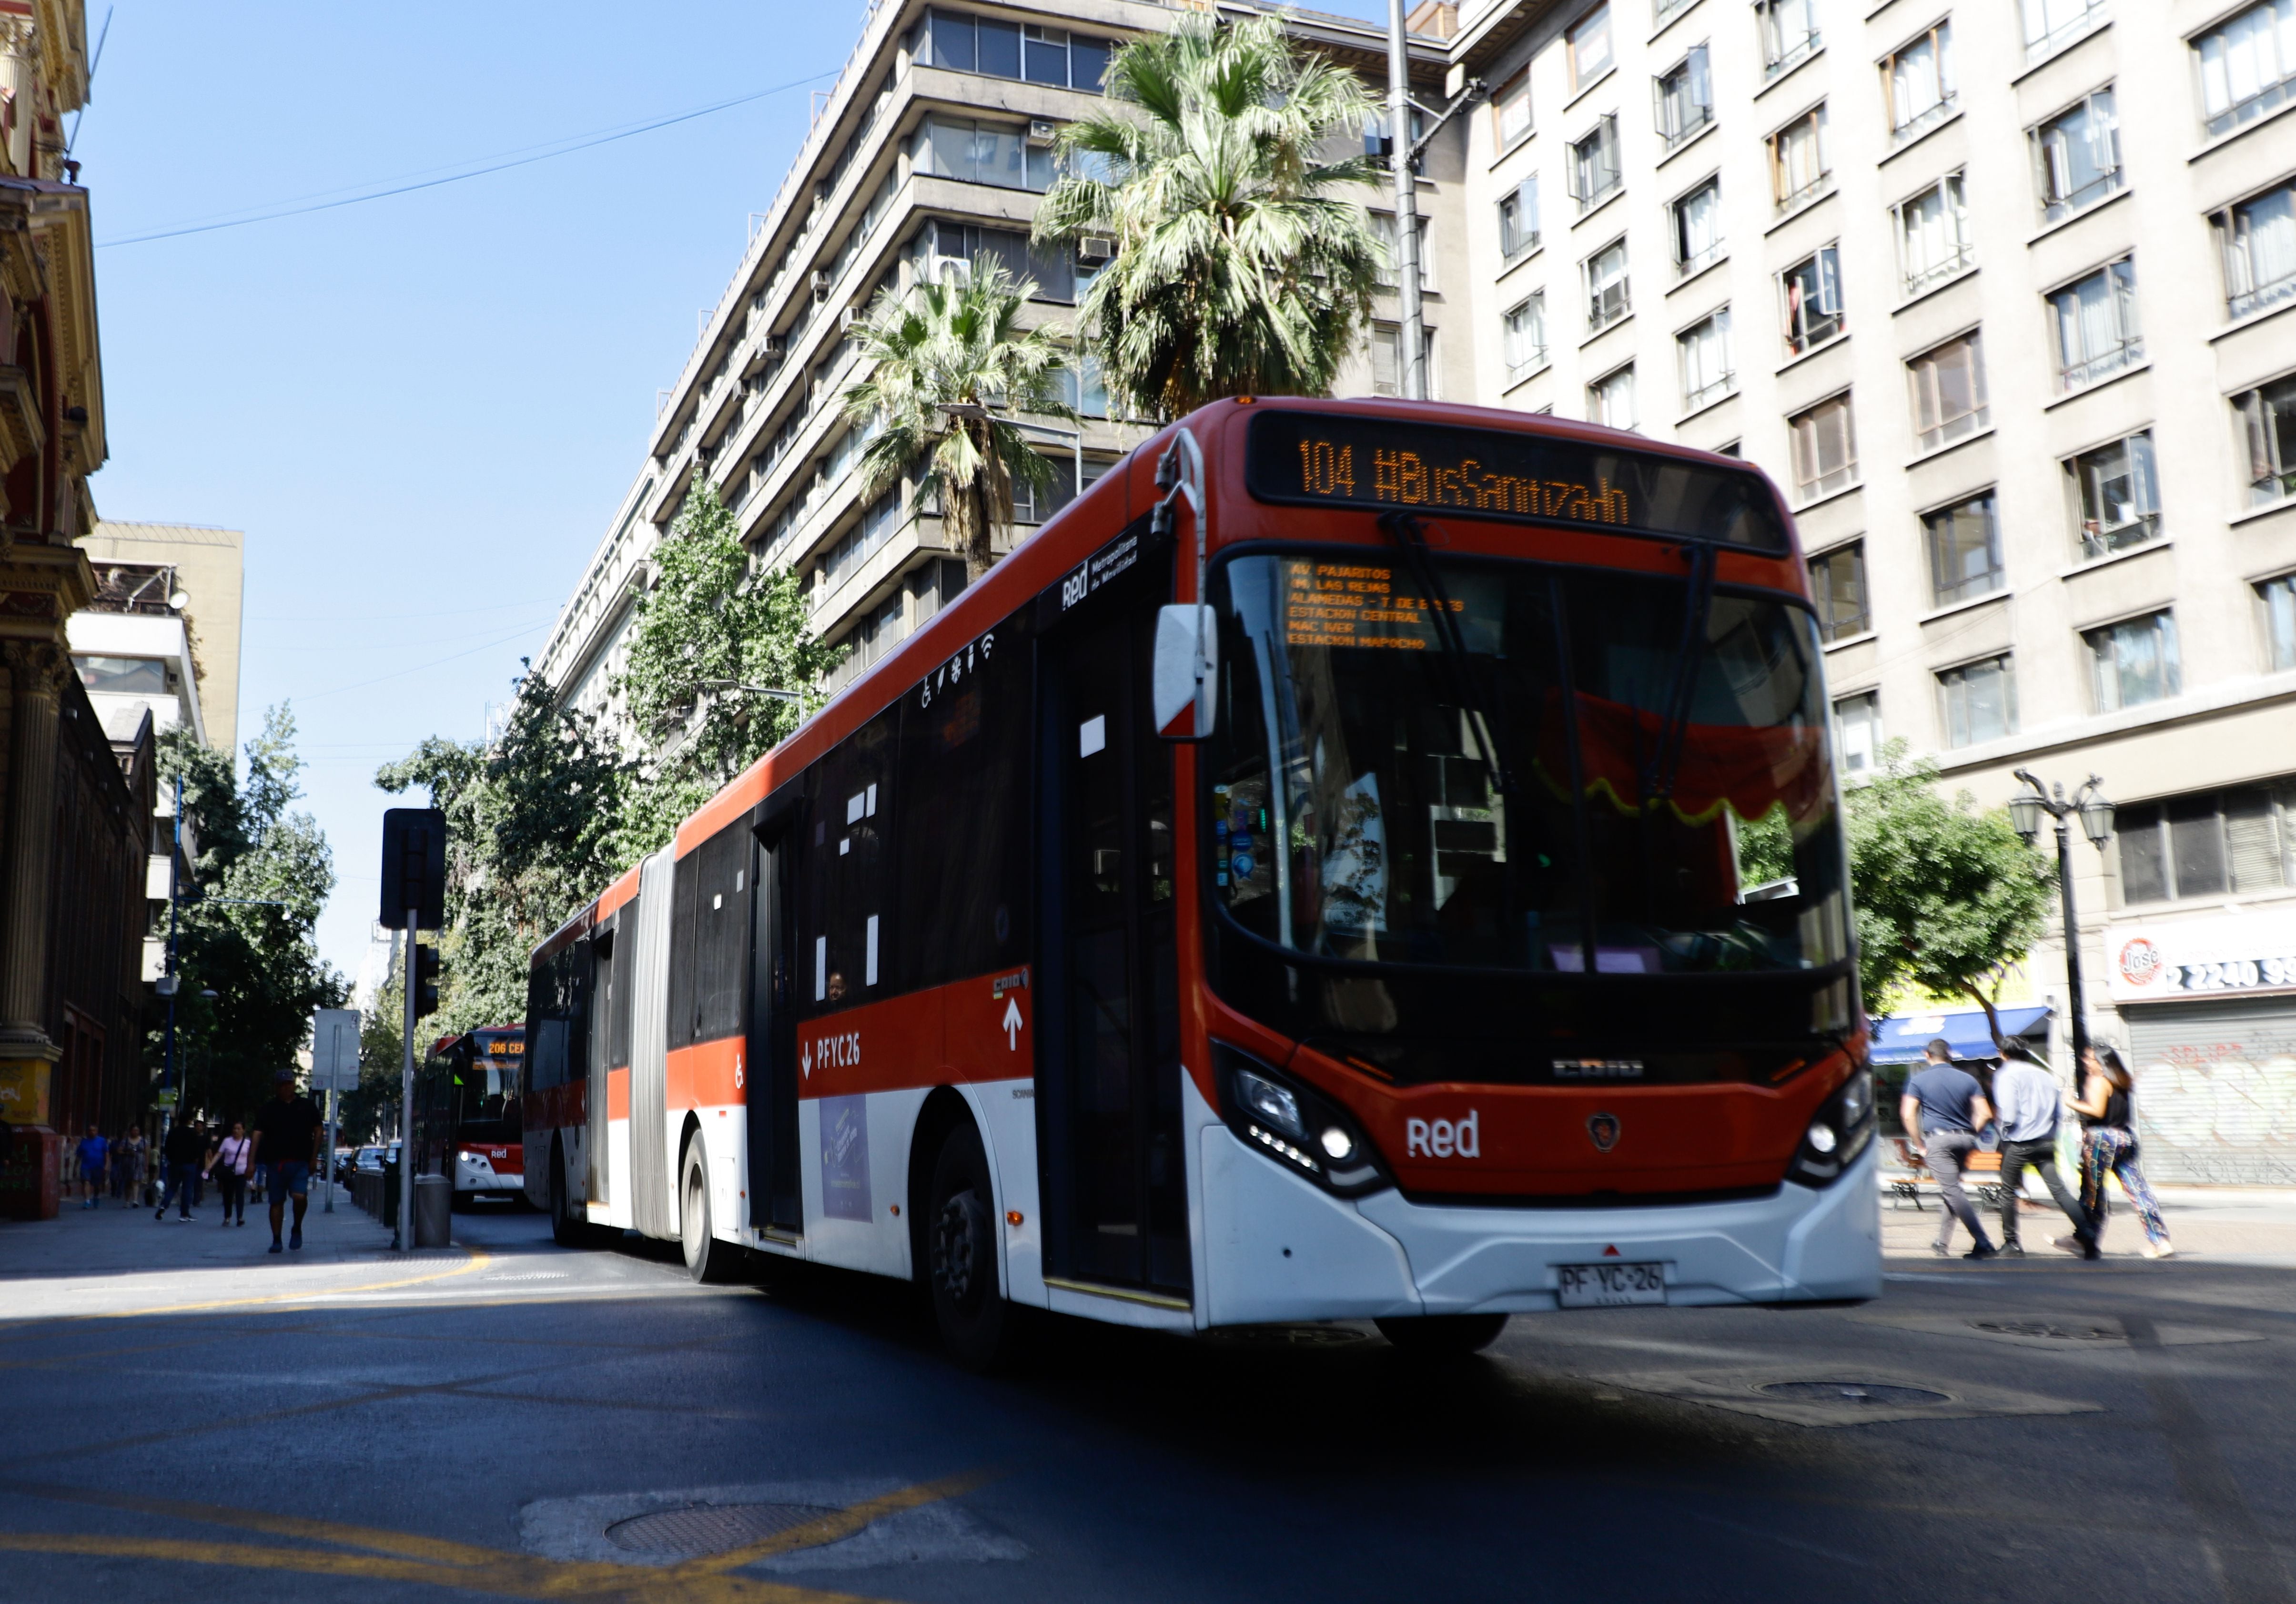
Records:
x=426, y=981
x=413, y=868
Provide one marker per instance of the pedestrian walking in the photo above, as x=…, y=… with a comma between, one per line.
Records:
x=182, y=1151
x=93, y=1152
x=1946, y=1108
x=2027, y=1102
x=229, y=1164
x=130, y=1155
x=2109, y=1146
x=287, y=1137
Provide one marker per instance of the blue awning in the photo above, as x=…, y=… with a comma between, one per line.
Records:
x=1903, y=1040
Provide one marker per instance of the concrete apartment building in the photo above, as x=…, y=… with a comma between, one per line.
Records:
x=2000, y=293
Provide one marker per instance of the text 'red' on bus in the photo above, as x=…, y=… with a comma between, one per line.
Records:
x=467, y=1123
x=1302, y=882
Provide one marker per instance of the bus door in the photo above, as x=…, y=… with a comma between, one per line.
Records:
x=770, y=1076
x=1108, y=1070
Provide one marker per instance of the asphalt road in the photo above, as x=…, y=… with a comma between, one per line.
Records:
x=516, y=1421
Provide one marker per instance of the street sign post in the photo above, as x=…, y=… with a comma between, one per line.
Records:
x=334, y=1070
x=414, y=898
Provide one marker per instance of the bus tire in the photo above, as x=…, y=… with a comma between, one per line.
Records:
x=706, y=1259
x=1437, y=1335
x=960, y=1233
x=566, y=1229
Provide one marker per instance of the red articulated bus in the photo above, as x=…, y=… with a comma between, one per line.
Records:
x=1302, y=882
x=467, y=1124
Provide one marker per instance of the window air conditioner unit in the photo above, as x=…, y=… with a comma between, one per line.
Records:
x=846, y=318
x=820, y=280
x=1041, y=132
x=952, y=270
x=776, y=346
x=1096, y=248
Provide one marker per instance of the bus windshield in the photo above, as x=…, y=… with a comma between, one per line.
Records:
x=1591, y=770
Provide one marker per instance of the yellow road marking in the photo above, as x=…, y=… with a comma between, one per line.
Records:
x=407, y=1557
x=477, y=1261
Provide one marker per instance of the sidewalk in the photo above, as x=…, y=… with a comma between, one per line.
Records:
x=2227, y=1225
x=117, y=1260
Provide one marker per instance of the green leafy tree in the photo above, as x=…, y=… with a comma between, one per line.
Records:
x=253, y=892
x=706, y=628
x=1241, y=268
x=530, y=822
x=943, y=354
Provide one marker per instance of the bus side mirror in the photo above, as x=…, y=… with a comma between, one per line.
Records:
x=1187, y=664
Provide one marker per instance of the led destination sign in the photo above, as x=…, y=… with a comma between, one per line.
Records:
x=1360, y=604
x=1323, y=459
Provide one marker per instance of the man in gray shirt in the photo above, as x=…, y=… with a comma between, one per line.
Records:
x=2029, y=1101
x=1946, y=1107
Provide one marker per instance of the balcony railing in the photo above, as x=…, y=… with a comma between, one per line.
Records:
x=2127, y=354
x=2263, y=296
x=1953, y=262
x=1712, y=391
x=2099, y=540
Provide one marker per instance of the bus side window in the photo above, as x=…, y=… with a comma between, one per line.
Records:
x=963, y=888
x=845, y=952
x=721, y=932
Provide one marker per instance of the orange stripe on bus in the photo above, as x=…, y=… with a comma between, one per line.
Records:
x=708, y=1074
x=617, y=1094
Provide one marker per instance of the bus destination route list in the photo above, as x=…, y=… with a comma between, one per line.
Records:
x=1354, y=604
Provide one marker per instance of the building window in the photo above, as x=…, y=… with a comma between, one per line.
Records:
x=1919, y=78
x=981, y=152
x=1980, y=701
x=2248, y=65
x=943, y=249
x=2278, y=598
x=1858, y=732
x=1812, y=291
x=1610, y=399
x=1518, y=220
x=1933, y=235
x=1964, y=542
x=1390, y=273
x=1525, y=337
x=1663, y=11
x=1825, y=449
x=1594, y=172
x=1949, y=382
x=1696, y=220
x=1837, y=583
x=1685, y=98
x=2051, y=25
x=964, y=43
x=1704, y=352
x=2116, y=495
x=2133, y=663
x=2257, y=238
x=1606, y=286
x=2096, y=326
x=1590, y=48
x=1798, y=159
x=1386, y=370
x=2209, y=844
x=1510, y=111
x=1789, y=34
x=2077, y=153
x=2268, y=427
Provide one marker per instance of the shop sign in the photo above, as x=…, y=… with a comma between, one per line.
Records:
x=2236, y=953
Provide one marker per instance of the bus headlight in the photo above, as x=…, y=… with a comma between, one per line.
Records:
x=1838, y=1132
x=1295, y=1126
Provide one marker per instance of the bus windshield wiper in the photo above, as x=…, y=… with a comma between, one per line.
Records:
x=1409, y=536
x=1661, y=766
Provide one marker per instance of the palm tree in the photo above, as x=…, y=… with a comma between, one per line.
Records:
x=1238, y=270
x=948, y=356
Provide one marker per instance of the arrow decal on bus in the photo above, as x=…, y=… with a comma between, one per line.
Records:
x=1012, y=1025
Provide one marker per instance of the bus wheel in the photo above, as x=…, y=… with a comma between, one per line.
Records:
x=565, y=1228
x=961, y=1248
x=706, y=1259
x=1439, y=1334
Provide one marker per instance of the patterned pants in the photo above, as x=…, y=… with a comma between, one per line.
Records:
x=2109, y=1149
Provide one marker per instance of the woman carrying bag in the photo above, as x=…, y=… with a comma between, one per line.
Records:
x=228, y=1164
x=2109, y=1145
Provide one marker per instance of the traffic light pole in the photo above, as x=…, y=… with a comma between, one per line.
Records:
x=406, y=1241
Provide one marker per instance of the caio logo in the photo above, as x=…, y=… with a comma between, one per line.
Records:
x=1603, y=1128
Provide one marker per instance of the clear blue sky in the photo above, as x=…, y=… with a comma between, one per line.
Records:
x=422, y=409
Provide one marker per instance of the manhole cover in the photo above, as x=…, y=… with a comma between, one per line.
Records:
x=1854, y=1393
x=695, y=1530
x=1290, y=1336
x=2043, y=1328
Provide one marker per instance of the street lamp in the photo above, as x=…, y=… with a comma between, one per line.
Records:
x=755, y=690
x=2095, y=812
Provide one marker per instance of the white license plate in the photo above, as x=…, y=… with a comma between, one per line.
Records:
x=1609, y=1286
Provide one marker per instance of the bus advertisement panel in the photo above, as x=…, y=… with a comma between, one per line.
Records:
x=1312, y=878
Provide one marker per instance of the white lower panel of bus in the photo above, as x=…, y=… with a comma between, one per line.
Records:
x=1796, y=1245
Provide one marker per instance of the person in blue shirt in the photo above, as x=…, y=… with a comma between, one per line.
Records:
x=1946, y=1108
x=93, y=1150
